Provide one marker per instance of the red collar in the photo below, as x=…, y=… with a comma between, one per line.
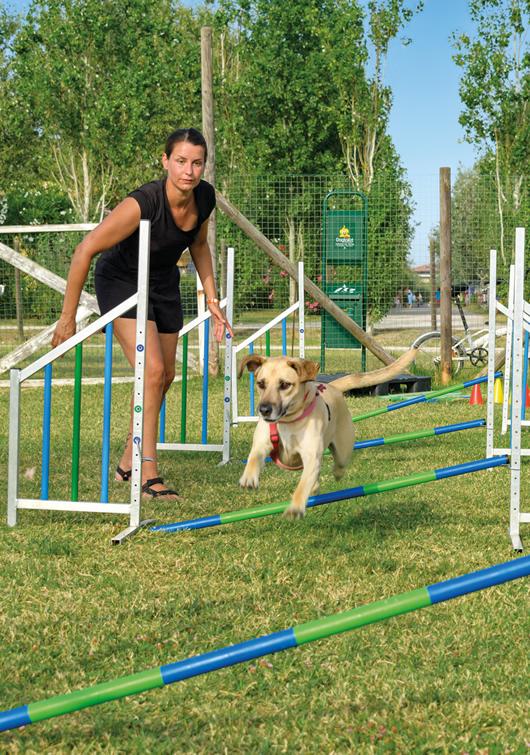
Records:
x=275, y=436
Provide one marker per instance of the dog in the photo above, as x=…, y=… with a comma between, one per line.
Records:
x=299, y=419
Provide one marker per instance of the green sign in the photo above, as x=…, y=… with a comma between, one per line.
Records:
x=344, y=267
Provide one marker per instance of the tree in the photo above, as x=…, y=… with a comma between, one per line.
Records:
x=97, y=87
x=495, y=93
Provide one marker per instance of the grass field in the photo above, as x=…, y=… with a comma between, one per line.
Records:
x=75, y=611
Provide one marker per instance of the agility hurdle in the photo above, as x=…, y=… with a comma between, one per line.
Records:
x=423, y=398
x=516, y=372
x=268, y=509
x=301, y=634
x=203, y=321
x=418, y=434
x=17, y=377
x=266, y=331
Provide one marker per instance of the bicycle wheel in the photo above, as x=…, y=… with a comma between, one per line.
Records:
x=429, y=352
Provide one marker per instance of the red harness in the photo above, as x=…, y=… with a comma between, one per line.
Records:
x=275, y=436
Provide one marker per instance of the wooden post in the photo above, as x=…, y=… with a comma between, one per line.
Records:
x=292, y=258
x=432, y=255
x=209, y=173
x=18, y=296
x=314, y=291
x=445, y=276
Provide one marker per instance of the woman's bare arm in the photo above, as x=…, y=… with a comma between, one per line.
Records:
x=121, y=222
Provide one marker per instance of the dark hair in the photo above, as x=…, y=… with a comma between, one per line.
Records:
x=190, y=135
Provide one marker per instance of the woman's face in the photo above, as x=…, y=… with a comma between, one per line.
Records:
x=185, y=165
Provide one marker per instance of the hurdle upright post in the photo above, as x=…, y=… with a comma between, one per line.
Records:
x=229, y=375
x=139, y=383
x=14, y=446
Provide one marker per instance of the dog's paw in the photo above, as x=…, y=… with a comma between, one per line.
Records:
x=249, y=480
x=293, y=512
x=339, y=472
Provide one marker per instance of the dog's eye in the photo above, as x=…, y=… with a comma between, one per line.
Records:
x=284, y=385
x=261, y=384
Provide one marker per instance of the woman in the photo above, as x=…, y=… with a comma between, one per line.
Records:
x=178, y=207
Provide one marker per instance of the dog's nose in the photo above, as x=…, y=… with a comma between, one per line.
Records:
x=265, y=409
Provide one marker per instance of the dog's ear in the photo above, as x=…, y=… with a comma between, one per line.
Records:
x=252, y=362
x=306, y=369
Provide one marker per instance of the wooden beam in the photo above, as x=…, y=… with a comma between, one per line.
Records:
x=281, y=260
x=43, y=275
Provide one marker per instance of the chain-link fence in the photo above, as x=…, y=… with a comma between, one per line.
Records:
x=400, y=238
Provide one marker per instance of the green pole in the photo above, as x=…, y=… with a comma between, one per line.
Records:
x=267, y=343
x=184, y=397
x=76, y=433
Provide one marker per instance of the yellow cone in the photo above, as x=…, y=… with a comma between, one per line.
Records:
x=498, y=395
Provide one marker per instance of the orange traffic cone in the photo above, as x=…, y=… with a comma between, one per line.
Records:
x=476, y=396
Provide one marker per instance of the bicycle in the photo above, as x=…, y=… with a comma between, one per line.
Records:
x=472, y=346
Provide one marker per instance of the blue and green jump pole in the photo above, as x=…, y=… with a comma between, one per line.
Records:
x=302, y=634
x=255, y=512
x=423, y=398
x=413, y=435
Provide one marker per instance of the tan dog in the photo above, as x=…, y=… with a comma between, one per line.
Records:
x=305, y=418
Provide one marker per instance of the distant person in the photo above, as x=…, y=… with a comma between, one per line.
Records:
x=410, y=298
x=419, y=299
x=178, y=206
x=437, y=297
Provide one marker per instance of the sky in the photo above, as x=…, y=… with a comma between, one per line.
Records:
x=426, y=106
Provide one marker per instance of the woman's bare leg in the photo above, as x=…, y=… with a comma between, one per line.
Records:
x=158, y=350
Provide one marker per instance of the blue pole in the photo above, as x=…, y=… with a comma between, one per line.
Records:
x=284, y=337
x=204, y=437
x=107, y=400
x=251, y=397
x=46, y=422
x=163, y=421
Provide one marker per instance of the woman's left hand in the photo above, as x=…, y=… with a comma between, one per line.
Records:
x=221, y=324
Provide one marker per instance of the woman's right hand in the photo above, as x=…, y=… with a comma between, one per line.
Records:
x=64, y=330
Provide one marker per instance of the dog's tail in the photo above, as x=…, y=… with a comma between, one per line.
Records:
x=364, y=379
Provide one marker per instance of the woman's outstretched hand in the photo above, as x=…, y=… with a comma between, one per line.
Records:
x=64, y=330
x=221, y=324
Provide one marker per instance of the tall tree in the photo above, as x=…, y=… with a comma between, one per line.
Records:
x=495, y=93
x=99, y=86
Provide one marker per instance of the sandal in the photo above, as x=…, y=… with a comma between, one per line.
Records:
x=148, y=490
x=125, y=475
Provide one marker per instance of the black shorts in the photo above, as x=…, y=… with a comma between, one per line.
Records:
x=164, y=306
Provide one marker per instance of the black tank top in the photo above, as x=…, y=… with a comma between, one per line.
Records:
x=168, y=241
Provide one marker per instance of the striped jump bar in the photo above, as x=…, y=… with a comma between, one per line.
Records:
x=271, y=643
x=416, y=435
x=418, y=478
x=424, y=397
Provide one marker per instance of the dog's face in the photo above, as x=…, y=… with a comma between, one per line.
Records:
x=280, y=382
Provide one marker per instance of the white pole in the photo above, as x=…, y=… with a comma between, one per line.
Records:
x=139, y=371
x=492, y=325
x=14, y=444
x=229, y=373
x=508, y=357
x=301, y=310
x=517, y=391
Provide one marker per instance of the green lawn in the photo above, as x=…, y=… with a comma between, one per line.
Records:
x=76, y=611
